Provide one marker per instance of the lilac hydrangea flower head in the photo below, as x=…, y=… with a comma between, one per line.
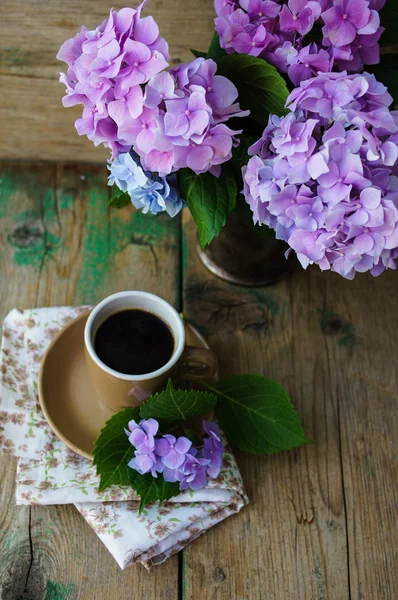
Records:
x=175, y=458
x=106, y=68
x=183, y=122
x=325, y=176
x=276, y=32
x=148, y=192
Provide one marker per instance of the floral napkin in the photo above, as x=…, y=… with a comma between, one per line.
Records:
x=50, y=473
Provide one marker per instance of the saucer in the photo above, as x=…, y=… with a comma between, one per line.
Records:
x=68, y=401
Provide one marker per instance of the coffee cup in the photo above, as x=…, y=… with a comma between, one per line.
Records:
x=119, y=390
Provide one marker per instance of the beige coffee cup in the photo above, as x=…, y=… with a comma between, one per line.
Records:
x=119, y=390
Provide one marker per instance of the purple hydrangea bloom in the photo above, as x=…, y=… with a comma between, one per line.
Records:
x=275, y=30
x=146, y=463
x=213, y=448
x=175, y=458
x=325, y=177
x=106, y=68
x=309, y=61
x=142, y=435
x=187, y=110
x=194, y=471
x=172, y=451
x=346, y=18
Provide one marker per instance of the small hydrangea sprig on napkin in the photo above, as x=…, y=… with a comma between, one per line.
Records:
x=131, y=451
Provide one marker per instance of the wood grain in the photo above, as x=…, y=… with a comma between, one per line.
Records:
x=321, y=523
x=34, y=123
x=60, y=244
x=366, y=384
x=317, y=524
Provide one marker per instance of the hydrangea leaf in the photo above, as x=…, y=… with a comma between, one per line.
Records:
x=261, y=88
x=198, y=53
x=215, y=51
x=210, y=200
x=119, y=199
x=151, y=489
x=177, y=405
x=113, y=450
x=256, y=414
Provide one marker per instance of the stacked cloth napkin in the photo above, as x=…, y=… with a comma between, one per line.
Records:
x=50, y=473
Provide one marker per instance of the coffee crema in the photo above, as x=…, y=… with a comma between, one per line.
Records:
x=134, y=342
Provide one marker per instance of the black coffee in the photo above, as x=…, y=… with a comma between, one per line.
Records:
x=134, y=342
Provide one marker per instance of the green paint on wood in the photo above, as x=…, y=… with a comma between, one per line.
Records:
x=109, y=231
x=33, y=254
x=332, y=324
x=60, y=591
x=34, y=236
x=148, y=230
x=8, y=187
x=66, y=199
x=96, y=242
x=264, y=301
x=29, y=238
x=183, y=571
x=13, y=56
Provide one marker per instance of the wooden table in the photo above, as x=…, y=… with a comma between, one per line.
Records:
x=322, y=520
x=321, y=523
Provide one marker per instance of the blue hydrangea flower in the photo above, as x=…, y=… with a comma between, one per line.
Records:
x=148, y=192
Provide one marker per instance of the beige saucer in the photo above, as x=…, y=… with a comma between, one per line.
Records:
x=68, y=401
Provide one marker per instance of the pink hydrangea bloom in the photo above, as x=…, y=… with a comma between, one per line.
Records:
x=325, y=176
x=183, y=120
x=106, y=67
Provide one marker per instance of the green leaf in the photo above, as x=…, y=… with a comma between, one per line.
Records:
x=261, y=88
x=177, y=405
x=215, y=51
x=151, y=489
x=210, y=199
x=198, y=53
x=256, y=414
x=119, y=199
x=113, y=450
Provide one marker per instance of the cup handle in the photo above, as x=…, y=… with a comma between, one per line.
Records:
x=197, y=363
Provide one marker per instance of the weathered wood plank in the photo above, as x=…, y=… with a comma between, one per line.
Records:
x=60, y=244
x=34, y=123
x=30, y=41
x=290, y=543
x=363, y=346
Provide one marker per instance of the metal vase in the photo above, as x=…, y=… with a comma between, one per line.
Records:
x=240, y=256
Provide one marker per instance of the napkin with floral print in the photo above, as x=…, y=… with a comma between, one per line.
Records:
x=49, y=472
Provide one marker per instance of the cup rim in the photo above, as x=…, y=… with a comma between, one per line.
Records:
x=145, y=376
